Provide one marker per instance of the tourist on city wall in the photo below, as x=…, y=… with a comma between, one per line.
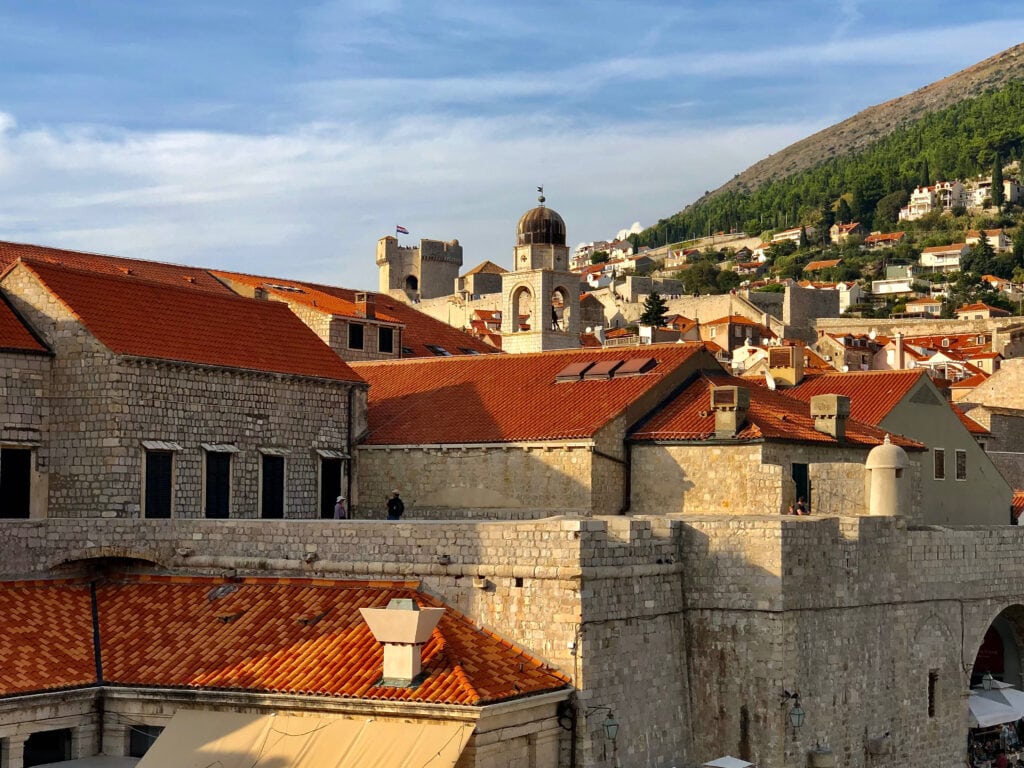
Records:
x=801, y=507
x=340, y=513
x=395, y=506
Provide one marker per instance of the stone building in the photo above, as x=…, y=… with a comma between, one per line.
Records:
x=418, y=272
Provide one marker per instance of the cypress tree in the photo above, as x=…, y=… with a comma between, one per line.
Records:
x=997, y=183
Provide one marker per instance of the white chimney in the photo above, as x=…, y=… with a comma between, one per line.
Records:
x=901, y=357
x=402, y=628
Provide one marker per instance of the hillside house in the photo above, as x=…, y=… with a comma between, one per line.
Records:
x=997, y=238
x=884, y=239
x=840, y=233
x=942, y=196
x=943, y=258
x=980, y=311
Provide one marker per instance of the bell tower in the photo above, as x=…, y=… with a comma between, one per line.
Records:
x=540, y=296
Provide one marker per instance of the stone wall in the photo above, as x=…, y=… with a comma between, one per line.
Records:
x=1006, y=331
x=803, y=306
x=24, y=412
x=535, y=476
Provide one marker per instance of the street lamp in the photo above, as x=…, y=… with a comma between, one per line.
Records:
x=610, y=724
x=796, y=713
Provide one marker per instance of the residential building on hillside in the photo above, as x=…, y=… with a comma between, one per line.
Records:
x=840, y=233
x=997, y=238
x=979, y=311
x=981, y=192
x=734, y=331
x=943, y=258
x=884, y=239
x=941, y=196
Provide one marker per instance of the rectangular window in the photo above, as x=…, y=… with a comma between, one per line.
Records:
x=933, y=679
x=386, y=340
x=159, y=466
x=15, y=481
x=961, y=464
x=939, y=458
x=141, y=738
x=218, y=484
x=355, y=336
x=330, y=485
x=272, y=487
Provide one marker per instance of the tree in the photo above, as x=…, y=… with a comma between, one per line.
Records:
x=843, y=213
x=981, y=258
x=803, y=237
x=599, y=257
x=997, y=183
x=887, y=211
x=923, y=178
x=655, y=310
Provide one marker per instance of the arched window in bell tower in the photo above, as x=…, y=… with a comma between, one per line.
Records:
x=560, y=310
x=521, y=307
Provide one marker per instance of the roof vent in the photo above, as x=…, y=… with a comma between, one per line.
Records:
x=635, y=366
x=730, y=405
x=573, y=371
x=403, y=628
x=603, y=369
x=830, y=413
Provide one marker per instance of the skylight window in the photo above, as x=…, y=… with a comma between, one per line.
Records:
x=438, y=350
x=286, y=288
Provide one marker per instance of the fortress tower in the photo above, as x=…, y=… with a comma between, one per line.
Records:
x=540, y=296
x=419, y=272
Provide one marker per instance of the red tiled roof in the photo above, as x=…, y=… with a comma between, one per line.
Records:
x=15, y=336
x=145, y=319
x=823, y=264
x=487, y=268
x=970, y=382
x=944, y=248
x=1017, y=504
x=972, y=426
x=503, y=398
x=981, y=306
x=884, y=237
x=153, y=271
x=772, y=416
x=293, y=636
x=873, y=394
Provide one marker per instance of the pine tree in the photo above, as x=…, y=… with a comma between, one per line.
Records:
x=655, y=311
x=997, y=183
x=803, y=236
x=925, y=179
x=843, y=213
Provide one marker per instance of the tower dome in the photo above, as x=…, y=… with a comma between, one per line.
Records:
x=540, y=226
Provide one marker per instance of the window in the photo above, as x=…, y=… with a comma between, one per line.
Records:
x=157, y=499
x=355, y=336
x=386, y=340
x=44, y=747
x=933, y=679
x=939, y=458
x=438, y=350
x=217, y=483
x=271, y=486
x=330, y=484
x=15, y=481
x=141, y=738
x=713, y=332
x=961, y=464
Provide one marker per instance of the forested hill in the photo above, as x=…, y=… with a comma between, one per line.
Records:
x=941, y=124
x=958, y=142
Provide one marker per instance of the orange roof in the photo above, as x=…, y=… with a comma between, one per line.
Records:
x=292, y=636
x=772, y=416
x=873, y=394
x=823, y=264
x=153, y=271
x=15, y=335
x=487, y=268
x=737, y=320
x=503, y=398
x=981, y=307
x=1017, y=504
x=944, y=248
x=970, y=382
x=972, y=426
x=145, y=319
x=883, y=237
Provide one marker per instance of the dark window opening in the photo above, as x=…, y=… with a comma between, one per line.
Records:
x=355, y=336
x=438, y=350
x=386, y=340
x=519, y=581
x=330, y=486
x=939, y=460
x=48, y=747
x=272, y=487
x=412, y=284
x=961, y=465
x=15, y=482
x=158, y=483
x=141, y=738
x=802, y=481
x=933, y=679
x=218, y=484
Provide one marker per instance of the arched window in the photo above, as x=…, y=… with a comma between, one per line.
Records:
x=521, y=309
x=412, y=284
x=561, y=311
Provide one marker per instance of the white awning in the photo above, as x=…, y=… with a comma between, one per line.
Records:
x=198, y=739
x=985, y=712
x=728, y=762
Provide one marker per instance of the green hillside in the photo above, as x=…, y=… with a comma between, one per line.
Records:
x=958, y=142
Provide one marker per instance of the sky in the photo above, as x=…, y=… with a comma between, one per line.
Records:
x=286, y=138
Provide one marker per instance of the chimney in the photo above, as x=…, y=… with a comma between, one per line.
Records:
x=830, y=413
x=599, y=333
x=901, y=355
x=786, y=365
x=402, y=628
x=730, y=405
x=367, y=304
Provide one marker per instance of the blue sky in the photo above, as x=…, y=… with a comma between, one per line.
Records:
x=285, y=138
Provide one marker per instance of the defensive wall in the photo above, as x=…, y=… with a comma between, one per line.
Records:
x=1003, y=329
x=675, y=622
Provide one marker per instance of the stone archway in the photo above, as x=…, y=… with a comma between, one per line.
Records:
x=561, y=309
x=412, y=285
x=999, y=648
x=520, y=309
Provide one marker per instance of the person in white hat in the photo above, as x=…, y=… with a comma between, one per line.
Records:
x=340, y=513
x=395, y=506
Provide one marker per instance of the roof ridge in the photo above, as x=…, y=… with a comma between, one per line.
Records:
x=100, y=255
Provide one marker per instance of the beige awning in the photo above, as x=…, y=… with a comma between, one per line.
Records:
x=198, y=739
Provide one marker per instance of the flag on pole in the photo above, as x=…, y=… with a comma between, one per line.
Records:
x=401, y=230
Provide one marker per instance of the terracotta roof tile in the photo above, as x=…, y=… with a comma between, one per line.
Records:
x=261, y=635
x=141, y=318
x=487, y=268
x=772, y=416
x=972, y=426
x=15, y=335
x=873, y=394
x=822, y=264
x=502, y=398
x=1017, y=505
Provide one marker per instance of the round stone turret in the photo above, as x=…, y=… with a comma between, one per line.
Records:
x=886, y=463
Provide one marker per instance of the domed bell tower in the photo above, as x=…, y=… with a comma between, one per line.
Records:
x=540, y=296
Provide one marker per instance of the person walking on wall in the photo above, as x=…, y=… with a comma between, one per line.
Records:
x=340, y=513
x=395, y=506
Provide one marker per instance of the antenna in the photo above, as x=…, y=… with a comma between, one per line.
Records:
x=769, y=380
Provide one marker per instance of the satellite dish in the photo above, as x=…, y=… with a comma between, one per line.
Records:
x=873, y=334
x=769, y=380
x=590, y=329
x=846, y=369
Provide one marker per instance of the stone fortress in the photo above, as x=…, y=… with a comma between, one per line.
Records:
x=613, y=517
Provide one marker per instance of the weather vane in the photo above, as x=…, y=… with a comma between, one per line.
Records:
x=540, y=197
